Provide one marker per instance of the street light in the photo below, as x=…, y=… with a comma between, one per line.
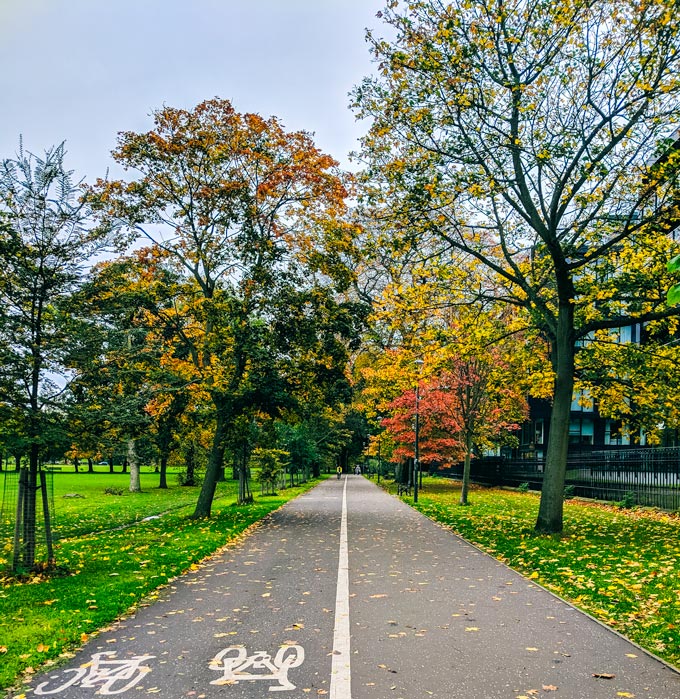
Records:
x=416, y=461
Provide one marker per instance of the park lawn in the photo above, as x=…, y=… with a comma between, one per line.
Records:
x=109, y=572
x=620, y=566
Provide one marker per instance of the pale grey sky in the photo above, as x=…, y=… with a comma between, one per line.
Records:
x=82, y=70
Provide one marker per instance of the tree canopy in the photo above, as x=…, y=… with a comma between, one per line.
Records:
x=529, y=141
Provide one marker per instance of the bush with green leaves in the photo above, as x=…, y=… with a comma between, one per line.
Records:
x=270, y=463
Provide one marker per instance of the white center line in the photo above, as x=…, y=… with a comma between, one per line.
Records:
x=341, y=675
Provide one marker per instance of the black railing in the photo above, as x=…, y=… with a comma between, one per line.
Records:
x=645, y=476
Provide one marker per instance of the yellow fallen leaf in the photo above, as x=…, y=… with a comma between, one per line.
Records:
x=631, y=655
x=624, y=694
x=471, y=628
x=42, y=648
x=549, y=688
x=532, y=650
x=3, y=649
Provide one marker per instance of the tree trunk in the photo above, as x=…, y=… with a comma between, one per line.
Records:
x=466, y=472
x=163, y=479
x=76, y=465
x=245, y=496
x=29, y=533
x=90, y=465
x=215, y=462
x=190, y=462
x=550, y=513
x=135, y=485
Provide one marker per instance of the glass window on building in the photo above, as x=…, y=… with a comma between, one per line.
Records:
x=581, y=431
x=613, y=435
x=539, y=437
x=582, y=402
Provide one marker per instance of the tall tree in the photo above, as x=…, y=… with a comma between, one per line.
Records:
x=233, y=203
x=522, y=135
x=44, y=248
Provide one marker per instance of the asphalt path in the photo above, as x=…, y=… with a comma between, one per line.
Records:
x=348, y=593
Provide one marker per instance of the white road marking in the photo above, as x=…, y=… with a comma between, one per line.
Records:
x=233, y=662
x=341, y=675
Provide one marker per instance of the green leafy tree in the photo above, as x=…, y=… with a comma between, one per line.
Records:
x=46, y=242
x=270, y=464
x=231, y=202
x=531, y=142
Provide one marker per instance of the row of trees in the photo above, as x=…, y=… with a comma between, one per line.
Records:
x=519, y=187
x=524, y=155
x=224, y=324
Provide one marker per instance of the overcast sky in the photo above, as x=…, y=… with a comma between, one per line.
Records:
x=83, y=70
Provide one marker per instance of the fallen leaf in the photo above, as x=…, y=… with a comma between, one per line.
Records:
x=471, y=628
x=377, y=596
x=631, y=655
x=624, y=694
x=549, y=688
x=3, y=649
x=603, y=675
x=532, y=650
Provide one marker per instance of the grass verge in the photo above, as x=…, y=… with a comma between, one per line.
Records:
x=620, y=566
x=106, y=573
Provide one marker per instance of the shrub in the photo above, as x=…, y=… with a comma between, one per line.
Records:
x=113, y=491
x=628, y=501
x=523, y=487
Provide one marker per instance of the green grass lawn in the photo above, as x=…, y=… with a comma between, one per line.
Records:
x=109, y=571
x=620, y=566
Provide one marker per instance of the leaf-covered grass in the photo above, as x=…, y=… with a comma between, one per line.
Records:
x=620, y=566
x=107, y=573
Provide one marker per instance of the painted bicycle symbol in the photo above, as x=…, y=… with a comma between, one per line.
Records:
x=234, y=663
x=103, y=671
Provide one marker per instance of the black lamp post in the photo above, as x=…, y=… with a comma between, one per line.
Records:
x=416, y=460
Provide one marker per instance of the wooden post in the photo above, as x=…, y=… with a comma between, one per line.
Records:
x=48, y=522
x=18, y=523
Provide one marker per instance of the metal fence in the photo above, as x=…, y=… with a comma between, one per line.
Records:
x=648, y=476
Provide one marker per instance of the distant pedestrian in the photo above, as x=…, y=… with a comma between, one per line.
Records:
x=338, y=470
x=357, y=470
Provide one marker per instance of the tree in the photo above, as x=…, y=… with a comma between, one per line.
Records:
x=46, y=241
x=485, y=402
x=531, y=140
x=438, y=425
x=236, y=206
x=270, y=463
